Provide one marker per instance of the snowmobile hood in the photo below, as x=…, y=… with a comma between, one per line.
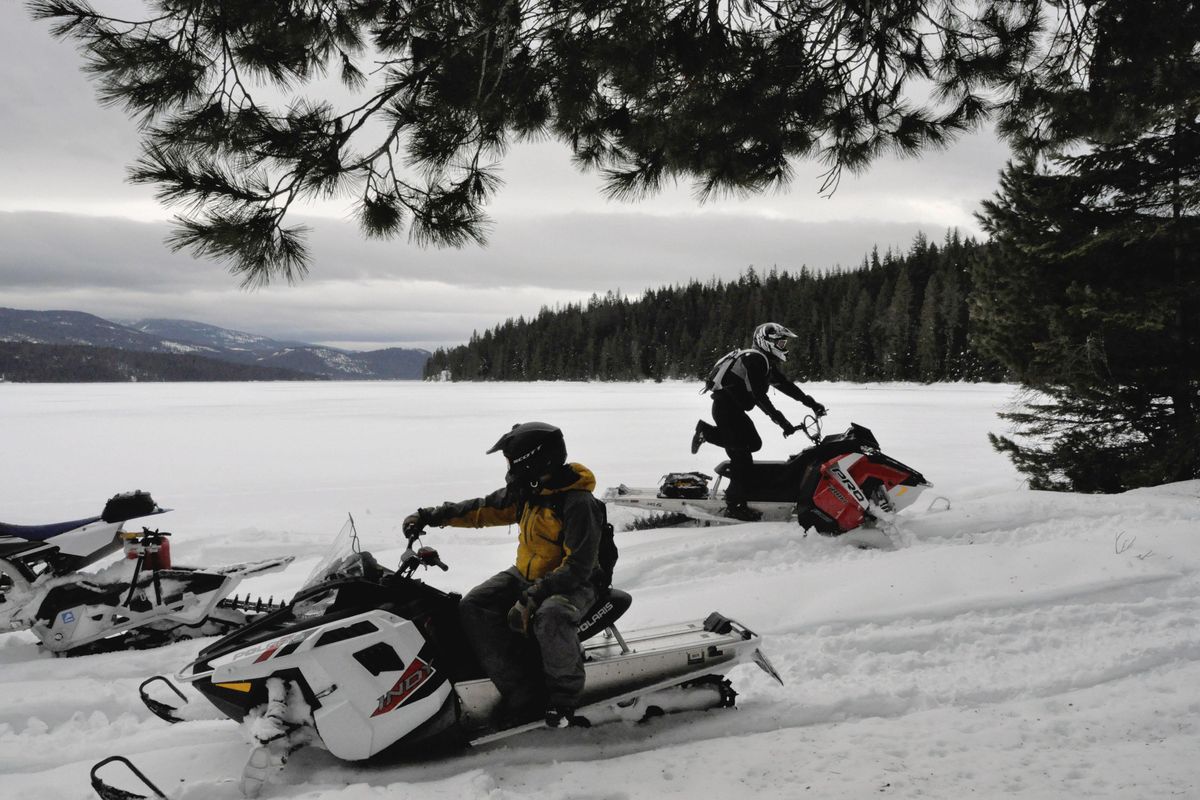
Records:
x=572, y=477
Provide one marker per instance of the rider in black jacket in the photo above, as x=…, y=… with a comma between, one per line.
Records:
x=739, y=381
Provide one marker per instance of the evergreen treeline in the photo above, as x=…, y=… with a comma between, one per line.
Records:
x=897, y=317
x=23, y=362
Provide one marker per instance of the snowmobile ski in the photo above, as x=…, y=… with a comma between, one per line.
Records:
x=108, y=792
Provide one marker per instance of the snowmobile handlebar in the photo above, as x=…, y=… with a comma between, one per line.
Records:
x=422, y=557
x=146, y=532
x=810, y=426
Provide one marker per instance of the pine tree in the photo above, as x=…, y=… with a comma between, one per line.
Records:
x=1090, y=295
x=930, y=345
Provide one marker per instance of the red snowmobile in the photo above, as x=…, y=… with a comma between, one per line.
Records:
x=841, y=483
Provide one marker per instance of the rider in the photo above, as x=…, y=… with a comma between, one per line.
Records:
x=739, y=382
x=553, y=582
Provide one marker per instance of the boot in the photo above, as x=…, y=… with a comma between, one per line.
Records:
x=743, y=512
x=514, y=712
x=564, y=717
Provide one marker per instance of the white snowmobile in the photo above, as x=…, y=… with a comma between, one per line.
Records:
x=841, y=483
x=140, y=601
x=367, y=663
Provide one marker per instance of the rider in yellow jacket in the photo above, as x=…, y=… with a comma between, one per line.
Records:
x=551, y=584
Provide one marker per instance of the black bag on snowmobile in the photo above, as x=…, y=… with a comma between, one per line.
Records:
x=128, y=505
x=687, y=485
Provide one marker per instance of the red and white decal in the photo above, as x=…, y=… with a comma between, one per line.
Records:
x=839, y=469
x=269, y=648
x=414, y=677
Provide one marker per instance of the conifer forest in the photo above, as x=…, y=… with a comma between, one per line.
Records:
x=897, y=316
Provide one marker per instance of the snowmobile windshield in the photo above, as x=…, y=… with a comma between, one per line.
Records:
x=343, y=559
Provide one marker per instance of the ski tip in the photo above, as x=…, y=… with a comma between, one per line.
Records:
x=108, y=792
x=764, y=663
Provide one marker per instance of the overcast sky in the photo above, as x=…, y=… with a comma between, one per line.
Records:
x=75, y=235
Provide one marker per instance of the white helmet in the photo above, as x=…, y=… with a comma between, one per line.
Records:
x=772, y=339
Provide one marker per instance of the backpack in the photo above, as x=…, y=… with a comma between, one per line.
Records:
x=606, y=558
x=606, y=555
x=716, y=376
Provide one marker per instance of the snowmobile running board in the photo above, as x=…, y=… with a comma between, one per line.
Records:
x=714, y=623
x=702, y=509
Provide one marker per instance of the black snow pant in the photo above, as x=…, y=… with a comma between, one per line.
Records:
x=509, y=659
x=736, y=433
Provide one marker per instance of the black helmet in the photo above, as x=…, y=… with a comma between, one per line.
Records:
x=532, y=449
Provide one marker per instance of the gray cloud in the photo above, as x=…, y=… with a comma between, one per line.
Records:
x=67, y=239
x=392, y=292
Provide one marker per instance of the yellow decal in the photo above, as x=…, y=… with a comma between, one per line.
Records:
x=242, y=686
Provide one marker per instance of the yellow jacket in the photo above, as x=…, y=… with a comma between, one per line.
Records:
x=559, y=527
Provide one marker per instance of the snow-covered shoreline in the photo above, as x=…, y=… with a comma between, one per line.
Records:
x=1020, y=644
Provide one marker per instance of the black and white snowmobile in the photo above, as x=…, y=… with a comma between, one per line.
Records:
x=367, y=662
x=139, y=601
x=840, y=483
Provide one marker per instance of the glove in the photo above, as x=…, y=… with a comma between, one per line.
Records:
x=520, y=614
x=789, y=430
x=413, y=525
x=819, y=410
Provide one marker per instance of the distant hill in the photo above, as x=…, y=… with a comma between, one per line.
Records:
x=73, y=327
x=23, y=362
x=210, y=337
x=209, y=341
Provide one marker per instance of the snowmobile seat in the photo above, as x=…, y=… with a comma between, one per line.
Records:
x=40, y=533
x=771, y=481
x=607, y=609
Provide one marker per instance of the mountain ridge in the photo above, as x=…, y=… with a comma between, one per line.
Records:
x=193, y=338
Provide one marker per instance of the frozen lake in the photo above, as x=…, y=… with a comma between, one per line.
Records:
x=1018, y=644
x=299, y=456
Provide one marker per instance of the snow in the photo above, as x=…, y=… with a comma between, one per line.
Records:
x=1017, y=644
x=183, y=347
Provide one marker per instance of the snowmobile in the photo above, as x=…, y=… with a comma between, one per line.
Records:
x=841, y=483
x=369, y=663
x=139, y=601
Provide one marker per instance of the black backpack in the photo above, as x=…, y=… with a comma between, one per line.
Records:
x=607, y=557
